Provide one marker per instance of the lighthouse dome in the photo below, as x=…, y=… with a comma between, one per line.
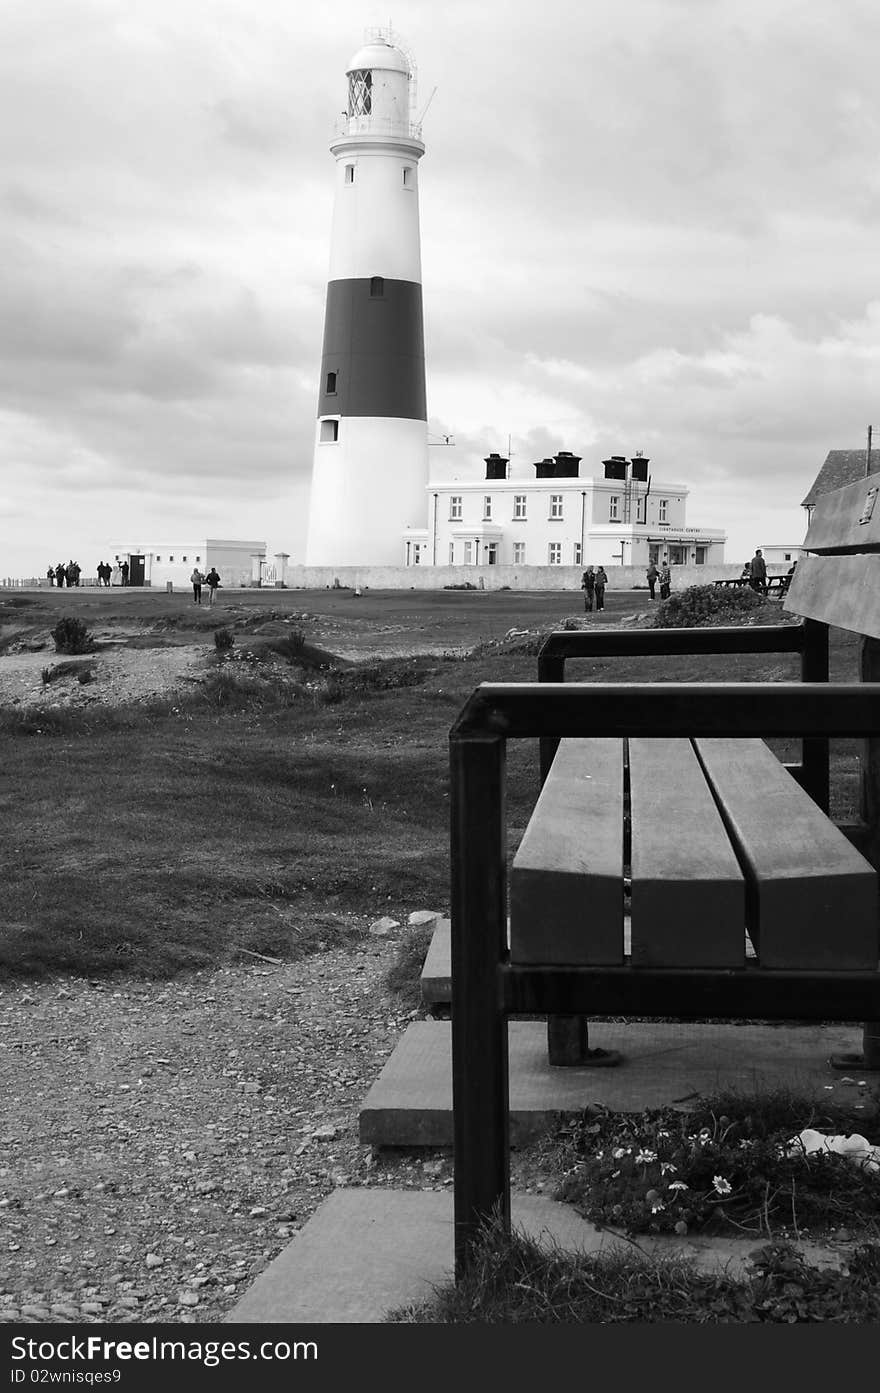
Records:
x=378, y=56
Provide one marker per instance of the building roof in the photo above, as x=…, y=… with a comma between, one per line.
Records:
x=841, y=467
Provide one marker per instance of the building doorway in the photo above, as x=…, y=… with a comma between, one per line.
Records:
x=136, y=570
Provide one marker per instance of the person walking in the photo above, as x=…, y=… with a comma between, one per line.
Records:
x=758, y=573
x=665, y=581
x=60, y=575
x=212, y=580
x=197, y=579
x=652, y=573
x=50, y=576
x=124, y=572
x=601, y=582
x=588, y=585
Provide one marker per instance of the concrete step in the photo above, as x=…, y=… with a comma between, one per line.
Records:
x=410, y=1104
x=367, y=1251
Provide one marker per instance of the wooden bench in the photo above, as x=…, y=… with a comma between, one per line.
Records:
x=730, y=843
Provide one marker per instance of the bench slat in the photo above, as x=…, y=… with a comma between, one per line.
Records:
x=811, y=898
x=839, y=590
x=566, y=884
x=688, y=892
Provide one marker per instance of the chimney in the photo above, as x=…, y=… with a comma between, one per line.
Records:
x=615, y=467
x=496, y=466
x=640, y=468
x=567, y=465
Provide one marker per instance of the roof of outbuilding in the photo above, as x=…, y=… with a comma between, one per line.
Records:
x=841, y=467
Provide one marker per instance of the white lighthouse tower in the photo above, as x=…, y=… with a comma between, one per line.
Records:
x=370, y=471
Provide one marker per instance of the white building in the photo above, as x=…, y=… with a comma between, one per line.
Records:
x=557, y=518
x=239, y=563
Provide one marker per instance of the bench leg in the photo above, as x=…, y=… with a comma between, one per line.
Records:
x=568, y=1044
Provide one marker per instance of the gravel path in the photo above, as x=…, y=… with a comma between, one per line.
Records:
x=160, y=1144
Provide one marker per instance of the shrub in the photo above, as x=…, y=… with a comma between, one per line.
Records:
x=290, y=646
x=223, y=640
x=71, y=636
x=702, y=605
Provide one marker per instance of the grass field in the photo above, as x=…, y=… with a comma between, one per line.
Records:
x=264, y=812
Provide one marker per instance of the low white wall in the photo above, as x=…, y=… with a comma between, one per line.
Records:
x=495, y=577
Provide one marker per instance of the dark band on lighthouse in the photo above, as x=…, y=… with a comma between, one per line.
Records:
x=373, y=361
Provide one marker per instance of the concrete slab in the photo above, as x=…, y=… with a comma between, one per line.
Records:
x=368, y=1251
x=410, y=1104
x=436, y=977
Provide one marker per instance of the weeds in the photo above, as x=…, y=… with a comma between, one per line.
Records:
x=513, y=1280
x=722, y=1168
x=702, y=605
x=72, y=636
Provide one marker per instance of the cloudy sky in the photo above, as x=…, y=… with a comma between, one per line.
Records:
x=646, y=225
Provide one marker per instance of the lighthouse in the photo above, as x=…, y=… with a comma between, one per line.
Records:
x=370, y=468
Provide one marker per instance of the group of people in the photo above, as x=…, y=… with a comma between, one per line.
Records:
x=117, y=574
x=663, y=575
x=62, y=574
x=593, y=584
x=212, y=580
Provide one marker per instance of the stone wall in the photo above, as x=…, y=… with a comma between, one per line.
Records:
x=494, y=577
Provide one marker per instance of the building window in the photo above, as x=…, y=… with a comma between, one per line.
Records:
x=407, y=177
x=663, y=507
x=700, y=556
x=417, y=553
x=556, y=505
x=614, y=508
x=455, y=507
x=329, y=432
x=519, y=505
x=198, y=558
x=641, y=509
x=171, y=558
x=491, y=553
x=577, y=554
x=452, y=553
x=377, y=287
x=158, y=558
x=519, y=553
x=554, y=553
x=468, y=553
x=331, y=384
x=487, y=508
x=349, y=174
x=183, y=558
x=360, y=92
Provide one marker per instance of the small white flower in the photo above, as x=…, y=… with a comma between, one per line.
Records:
x=645, y=1157
x=656, y=1206
x=679, y=1185
x=667, y=1168
x=745, y=1144
x=662, y=1134
x=600, y=1155
x=720, y=1185
x=618, y=1153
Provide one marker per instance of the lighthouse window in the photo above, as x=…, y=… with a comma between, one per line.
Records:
x=407, y=178
x=329, y=431
x=349, y=174
x=331, y=383
x=360, y=95
x=377, y=287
